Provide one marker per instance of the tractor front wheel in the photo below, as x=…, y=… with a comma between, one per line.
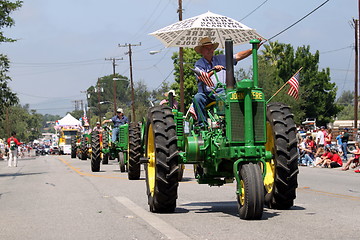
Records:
x=281, y=171
x=251, y=197
x=162, y=167
x=121, y=159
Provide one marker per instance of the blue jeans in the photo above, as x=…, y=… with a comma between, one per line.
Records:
x=115, y=133
x=344, y=149
x=307, y=160
x=200, y=102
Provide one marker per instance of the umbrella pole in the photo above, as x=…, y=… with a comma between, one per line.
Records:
x=181, y=66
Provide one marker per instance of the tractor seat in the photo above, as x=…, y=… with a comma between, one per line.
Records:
x=210, y=105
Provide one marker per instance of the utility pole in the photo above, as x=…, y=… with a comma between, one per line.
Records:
x=181, y=66
x=114, y=83
x=356, y=23
x=131, y=78
x=98, y=96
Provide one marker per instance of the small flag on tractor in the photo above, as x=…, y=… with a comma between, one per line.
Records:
x=294, y=85
x=192, y=111
x=204, y=77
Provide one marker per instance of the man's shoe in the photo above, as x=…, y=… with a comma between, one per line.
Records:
x=357, y=171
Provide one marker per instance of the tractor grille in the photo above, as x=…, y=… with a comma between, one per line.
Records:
x=238, y=125
x=123, y=136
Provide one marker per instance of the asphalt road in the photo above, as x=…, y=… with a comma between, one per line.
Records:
x=56, y=197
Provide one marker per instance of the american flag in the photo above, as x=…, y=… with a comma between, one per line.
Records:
x=192, y=111
x=294, y=86
x=86, y=121
x=204, y=77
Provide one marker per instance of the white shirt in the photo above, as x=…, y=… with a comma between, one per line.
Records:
x=320, y=139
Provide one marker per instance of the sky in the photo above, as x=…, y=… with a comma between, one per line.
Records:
x=62, y=44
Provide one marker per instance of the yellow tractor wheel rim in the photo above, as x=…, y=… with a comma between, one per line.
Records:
x=242, y=195
x=270, y=165
x=152, y=163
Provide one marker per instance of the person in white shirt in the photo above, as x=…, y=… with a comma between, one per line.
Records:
x=320, y=138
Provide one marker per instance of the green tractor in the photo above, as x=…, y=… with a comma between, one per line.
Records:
x=81, y=146
x=246, y=140
x=126, y=149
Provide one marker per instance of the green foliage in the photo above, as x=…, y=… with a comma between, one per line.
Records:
x=103, y=92
x=6, y=8
x=7, y=98
x=158, y=94
x=317, y=93
x=347, y=113
x=26, y=123
x=346, y=98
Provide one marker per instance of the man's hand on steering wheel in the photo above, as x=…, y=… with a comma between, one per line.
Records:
x=217, y=68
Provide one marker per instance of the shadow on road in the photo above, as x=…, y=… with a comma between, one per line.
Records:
x=19, y=174
x=228, y=207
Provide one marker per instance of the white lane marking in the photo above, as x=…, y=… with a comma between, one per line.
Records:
x=163, y=227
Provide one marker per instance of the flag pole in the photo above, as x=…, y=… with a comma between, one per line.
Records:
x=282, y=86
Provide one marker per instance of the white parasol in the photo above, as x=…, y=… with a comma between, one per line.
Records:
x=187, y=33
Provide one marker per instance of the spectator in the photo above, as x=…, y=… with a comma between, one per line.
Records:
x=335, y=161
x=327, y=155
x=339, y=143
x=320, y=138
x=328, y=137
x=354, y=159
x=13, y=144
x=344, y=142
x=308, y=154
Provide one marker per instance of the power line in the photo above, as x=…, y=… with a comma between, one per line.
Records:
x=298, y=20
x=253, y=10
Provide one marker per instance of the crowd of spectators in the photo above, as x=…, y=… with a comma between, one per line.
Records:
x=316, y=149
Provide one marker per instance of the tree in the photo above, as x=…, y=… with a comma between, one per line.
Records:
x=315, y=87
x=346, y=98
x=7, y=97
x=26, y=123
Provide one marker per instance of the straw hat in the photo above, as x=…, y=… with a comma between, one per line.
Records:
x=206, y=41
x=170, y=91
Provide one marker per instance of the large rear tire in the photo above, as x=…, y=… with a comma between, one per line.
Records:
x=281, y=175
x=95, y=153
x=162, y=168
x=84, y=149
x=251, y=198
x=135, y=152
x=73, y=146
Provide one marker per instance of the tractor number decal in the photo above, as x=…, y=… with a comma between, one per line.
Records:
x=240, y=95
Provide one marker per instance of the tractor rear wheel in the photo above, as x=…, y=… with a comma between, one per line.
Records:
x=281, y=172
x=135, y=152
x=83, y=149
x=162, y=167
x=95, y=153
x=251, y=197
x=121, y=159
x=73, y=147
